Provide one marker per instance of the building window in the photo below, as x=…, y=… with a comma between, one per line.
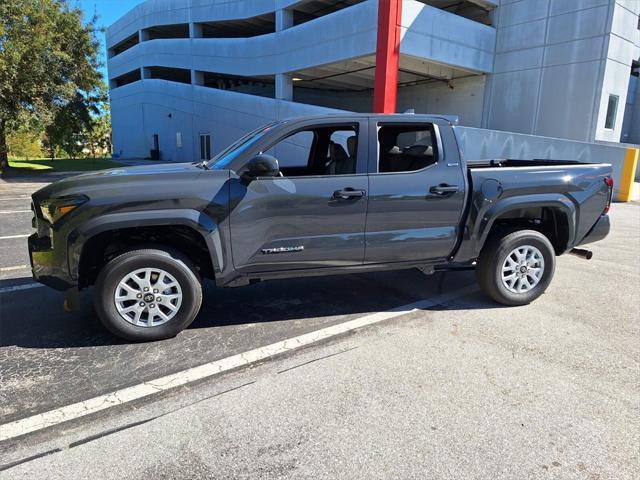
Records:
x=205, y=146
x=612, y=111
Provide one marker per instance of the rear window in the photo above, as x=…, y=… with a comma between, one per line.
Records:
x=406, y=148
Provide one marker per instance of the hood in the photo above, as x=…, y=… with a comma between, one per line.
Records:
x=127, y=180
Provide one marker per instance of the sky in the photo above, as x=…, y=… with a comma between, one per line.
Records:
x=108, y=12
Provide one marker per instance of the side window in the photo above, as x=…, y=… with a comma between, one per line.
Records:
x=323, y=150
x=342, y=153
x=295, y=150
x=406, y=148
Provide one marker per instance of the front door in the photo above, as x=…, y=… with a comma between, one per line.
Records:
x=314, y=215
x=416, y=194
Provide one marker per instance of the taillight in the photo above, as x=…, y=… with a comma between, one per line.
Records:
x=609, y=182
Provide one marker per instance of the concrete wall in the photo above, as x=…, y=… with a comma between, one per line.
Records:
x=346, y=34
x=480, y=144
x=631, y=125
x=622, y=48
x=445, y=38
x=140, y=110
x=552, y=59
x=464, y=99
x=351, y=101
x=427, y=33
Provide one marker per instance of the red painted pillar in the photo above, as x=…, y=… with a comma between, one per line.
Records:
x=387, y=56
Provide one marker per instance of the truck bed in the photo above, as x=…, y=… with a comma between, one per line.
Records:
x=525, y=188
x=507, y=162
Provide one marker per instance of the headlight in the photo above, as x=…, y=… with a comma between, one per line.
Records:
x=56, y=208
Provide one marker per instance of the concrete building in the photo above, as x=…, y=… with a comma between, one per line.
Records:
x=189, y=76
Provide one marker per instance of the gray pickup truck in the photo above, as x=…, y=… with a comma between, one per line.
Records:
x=318, y=195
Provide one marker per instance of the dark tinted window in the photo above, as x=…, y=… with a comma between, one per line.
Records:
x=406, y=148
x=323, y=150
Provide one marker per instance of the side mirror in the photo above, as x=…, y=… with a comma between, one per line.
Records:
x=261, y=166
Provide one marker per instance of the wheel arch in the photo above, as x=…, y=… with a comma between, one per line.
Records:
x=169, y=226
x=553, y=215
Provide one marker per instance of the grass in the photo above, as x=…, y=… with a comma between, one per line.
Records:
x=63, y=164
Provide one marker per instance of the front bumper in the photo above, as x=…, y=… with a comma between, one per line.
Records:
x=599, y=231
x=48, y=264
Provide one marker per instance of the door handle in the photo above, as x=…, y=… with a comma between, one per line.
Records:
x=443, y=189
x=347, y=193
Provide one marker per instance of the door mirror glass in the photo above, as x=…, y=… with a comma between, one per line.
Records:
x=261, y=166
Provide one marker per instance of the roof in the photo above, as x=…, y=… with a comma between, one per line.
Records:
x=413, y=117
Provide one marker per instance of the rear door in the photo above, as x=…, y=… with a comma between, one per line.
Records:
x=416, y=192
x=314, y=215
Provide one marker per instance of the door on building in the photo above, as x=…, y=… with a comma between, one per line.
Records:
x=155, y=151
x=205, y=146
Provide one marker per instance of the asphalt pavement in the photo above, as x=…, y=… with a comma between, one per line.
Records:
x=462, y=389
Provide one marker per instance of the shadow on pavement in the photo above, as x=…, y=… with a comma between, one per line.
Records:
x=34, y=318
x=33, y=177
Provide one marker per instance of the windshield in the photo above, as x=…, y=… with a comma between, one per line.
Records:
x=223, y=159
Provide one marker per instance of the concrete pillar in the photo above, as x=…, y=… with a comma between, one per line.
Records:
x=143, y=35
x=197, y=77
x=385, y=90
x=195, y=30
x=284, y=87
x=145, y=73
x=284, y=19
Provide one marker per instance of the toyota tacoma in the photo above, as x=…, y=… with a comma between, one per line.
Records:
x=319, y=195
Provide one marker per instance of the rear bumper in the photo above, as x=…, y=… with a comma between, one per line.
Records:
x=48, y=264
x=598, y=231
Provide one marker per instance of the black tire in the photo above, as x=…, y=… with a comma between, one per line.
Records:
x=172, y=262
x=492, y=259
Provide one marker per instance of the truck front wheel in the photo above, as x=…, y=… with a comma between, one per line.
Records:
x=516, y=268
x=148, y=294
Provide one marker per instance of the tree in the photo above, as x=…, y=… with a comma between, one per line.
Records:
x=70, y=122
x=98, y=138
x=48, y=59
x=24, y=142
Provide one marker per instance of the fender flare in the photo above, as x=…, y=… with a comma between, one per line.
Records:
x=481, y=221
x=198, y=221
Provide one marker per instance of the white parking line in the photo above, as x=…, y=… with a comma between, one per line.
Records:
x=7, y=212
x=26, y=197
x=9, y=237
x=11, y=269
x=16, y=288
x=126, y=395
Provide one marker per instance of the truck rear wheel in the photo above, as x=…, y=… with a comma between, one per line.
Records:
x=148, y=294
x=516, y=268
